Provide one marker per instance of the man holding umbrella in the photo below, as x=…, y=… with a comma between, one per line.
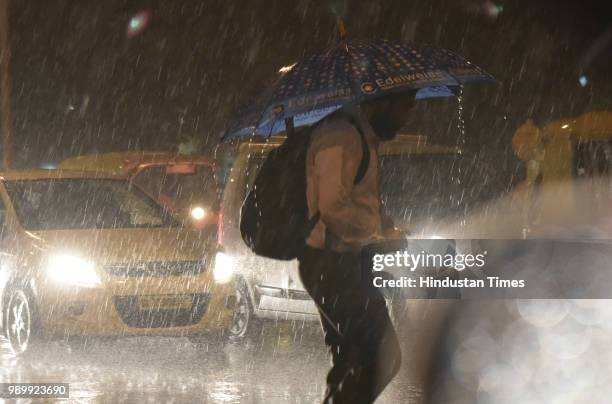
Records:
x=316, y=197
x=358, y=331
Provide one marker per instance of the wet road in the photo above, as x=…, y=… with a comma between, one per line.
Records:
x=282, y=366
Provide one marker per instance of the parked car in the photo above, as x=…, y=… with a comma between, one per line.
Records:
x=183, y=184
x=420, y=182
x=84, y=254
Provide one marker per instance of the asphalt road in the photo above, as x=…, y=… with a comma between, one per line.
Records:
x=285, y=365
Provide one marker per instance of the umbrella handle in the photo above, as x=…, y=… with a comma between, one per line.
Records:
x=289, y=127
x=341, y=28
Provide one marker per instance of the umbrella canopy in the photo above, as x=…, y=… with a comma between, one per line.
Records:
x=352, y=72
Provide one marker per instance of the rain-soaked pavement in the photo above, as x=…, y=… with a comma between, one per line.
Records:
x=283, y=366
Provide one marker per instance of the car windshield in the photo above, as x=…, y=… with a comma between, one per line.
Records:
x=55, y=204
x=179, y=189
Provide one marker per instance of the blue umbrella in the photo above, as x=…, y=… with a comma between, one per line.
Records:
x=350, y=73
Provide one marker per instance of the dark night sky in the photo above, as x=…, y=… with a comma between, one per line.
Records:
x=81, y=85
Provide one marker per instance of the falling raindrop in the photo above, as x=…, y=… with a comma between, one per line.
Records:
x=460, y=119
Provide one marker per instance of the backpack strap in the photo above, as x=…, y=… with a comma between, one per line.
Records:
x=365, y=157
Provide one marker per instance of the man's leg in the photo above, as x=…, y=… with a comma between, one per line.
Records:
x=362, y=342
x=379, y=344
x=324, y=275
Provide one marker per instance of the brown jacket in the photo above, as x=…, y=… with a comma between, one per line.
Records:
x=350, y=214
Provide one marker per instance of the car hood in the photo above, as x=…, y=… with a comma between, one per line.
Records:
x=108, y=246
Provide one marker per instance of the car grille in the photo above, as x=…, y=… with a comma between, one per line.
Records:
x=134, y=315
x=298, y=295
x=157, y=269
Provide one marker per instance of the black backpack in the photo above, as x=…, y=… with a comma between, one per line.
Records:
x=274, y=220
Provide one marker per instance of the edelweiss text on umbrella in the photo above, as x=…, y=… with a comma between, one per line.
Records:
x=403, y=79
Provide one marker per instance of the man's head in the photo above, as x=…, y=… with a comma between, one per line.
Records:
x=388, y=114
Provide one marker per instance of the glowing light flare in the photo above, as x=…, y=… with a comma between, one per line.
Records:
x=66, y=269
x=493, y=10
x=138, y=23
x=225, y=266
x=198, y=213
x=487, y=8
x=286, y=69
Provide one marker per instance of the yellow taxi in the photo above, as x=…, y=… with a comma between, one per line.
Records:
x=85, y=254
x=182, y=184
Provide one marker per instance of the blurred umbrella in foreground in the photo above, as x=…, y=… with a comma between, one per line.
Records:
x=351, y=72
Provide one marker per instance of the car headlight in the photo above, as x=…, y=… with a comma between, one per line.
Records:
x=225, y=266
x=70, y=270
x=198, y=213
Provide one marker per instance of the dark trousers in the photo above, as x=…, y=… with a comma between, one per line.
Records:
x=358, y=331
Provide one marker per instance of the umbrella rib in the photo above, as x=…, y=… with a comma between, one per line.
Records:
x=267, y=105
x=354, y=81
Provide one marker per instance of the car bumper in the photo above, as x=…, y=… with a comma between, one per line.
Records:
x=281, y=304
x=176, y=306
